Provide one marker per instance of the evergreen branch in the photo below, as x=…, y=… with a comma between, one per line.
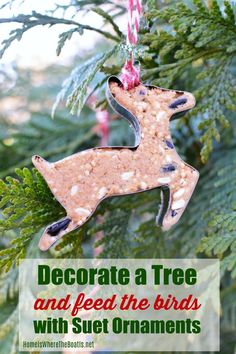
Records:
x=65, y=36
x=90, y=3
x=76, y=86
x=36, y=19
x=9, y=325
x=209, y=225
x=50, y=138
x=204, y=42
x=58, y=150
x=8, y=286
x=109, y=19
x=9, y=4
x=117, y=235
x=114, y=8
x=27, y=205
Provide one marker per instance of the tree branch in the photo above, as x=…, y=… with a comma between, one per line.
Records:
x=36, y=19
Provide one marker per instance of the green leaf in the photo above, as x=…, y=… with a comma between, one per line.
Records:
x=76, y=86
x=201, y=47
x=109, y=19
x=65, y=36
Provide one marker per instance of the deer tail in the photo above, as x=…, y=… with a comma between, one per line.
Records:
x=43, y=166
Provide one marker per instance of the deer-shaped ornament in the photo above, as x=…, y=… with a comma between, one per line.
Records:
x=81, y=181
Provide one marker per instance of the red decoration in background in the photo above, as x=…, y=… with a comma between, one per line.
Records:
x=103, y=126
x=102, y=117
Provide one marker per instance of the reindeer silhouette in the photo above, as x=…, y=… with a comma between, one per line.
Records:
x=81, y=181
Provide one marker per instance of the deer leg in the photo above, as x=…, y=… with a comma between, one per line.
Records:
x=176, y=196
x=54, y=232
x=58, y=229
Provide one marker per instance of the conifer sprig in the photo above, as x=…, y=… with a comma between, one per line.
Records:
x=200, y=44
x=27, y=205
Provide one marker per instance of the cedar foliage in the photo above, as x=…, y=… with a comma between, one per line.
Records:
x=188, y=45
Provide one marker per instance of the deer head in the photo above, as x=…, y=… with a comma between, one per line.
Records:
x=165, y=104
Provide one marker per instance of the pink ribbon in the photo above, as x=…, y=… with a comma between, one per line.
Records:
x=129, y=73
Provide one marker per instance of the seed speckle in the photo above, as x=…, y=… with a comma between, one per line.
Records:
x=168, y=168
x=177, y=103
x=74, y=190
x=169, y=144
x=127, y=175
x=82, y=211
x=164, y=180
x=179, y=193
x=173, y=213
x=160, y=115
x=142, y=92
x=178, y=204
x=102, y=192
